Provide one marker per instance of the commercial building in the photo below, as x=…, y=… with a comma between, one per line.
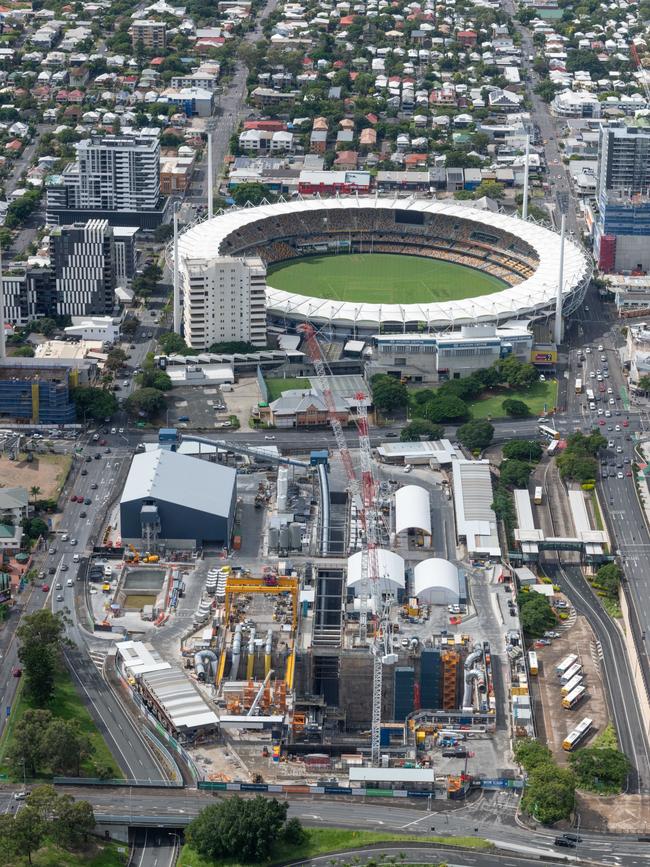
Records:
x=224, y=299
x=432, y=358
x=622, y=225
x=152, y=35
x=177, y=500
x=116, y=178
x=82, y=258
x=99, y=328
x=476, y=522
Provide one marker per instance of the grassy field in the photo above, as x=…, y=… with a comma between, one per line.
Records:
x=98, y=854
x=381, y=278
x=324, y=840
x=67, y=705
x=277, y=386
x=541, y=393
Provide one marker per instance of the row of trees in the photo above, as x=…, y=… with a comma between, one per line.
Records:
x=44, y=744
x=46, y=816
x=42, y=637
x=535, y=613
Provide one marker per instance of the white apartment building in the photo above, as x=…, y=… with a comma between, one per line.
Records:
x=224, y=299
x=118, y=173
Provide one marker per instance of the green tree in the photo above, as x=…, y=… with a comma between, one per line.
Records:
x=550, y=794
x=245, y=829
x=94, y=403
x=35, y=527
x=293, y=833
x=26, y=351
x=600, y=770
x=154, y=378
x=145, y=402
x=503, y=507
x=530, y=753
x=41, y=637
x=27, y=832
x=608, y=578
x=67, y=747
x=28, y=750
x=421, y=427
x=130, y=326
x=535, y=613
x=514, y=474
x=446, y=409
x=115, y=358
x=476, y=435
x=232, y=347
x=388, y=393
x=644, y=382
x=491, y=189
x=546, y=90
x=515, y=408
x=253, y=192
x=172, y=344
x=523, y=450
x=34, y=491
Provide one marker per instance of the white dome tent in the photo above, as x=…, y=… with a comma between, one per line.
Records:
x=436, y=582
x=412, y=509
x=391, y=573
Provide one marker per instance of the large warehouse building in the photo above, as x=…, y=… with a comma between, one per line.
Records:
x=184, y=502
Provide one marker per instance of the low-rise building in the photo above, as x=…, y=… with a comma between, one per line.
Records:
x=14, y=508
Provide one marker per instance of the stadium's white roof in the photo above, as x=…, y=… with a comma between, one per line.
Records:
x=412, y=509
x=436, y=580
x=204, y=240
x=391, y=571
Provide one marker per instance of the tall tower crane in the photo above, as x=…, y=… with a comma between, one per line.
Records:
x=364, y=495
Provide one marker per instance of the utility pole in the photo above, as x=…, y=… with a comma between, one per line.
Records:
x=176, y=295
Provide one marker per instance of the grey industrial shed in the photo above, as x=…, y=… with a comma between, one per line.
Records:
x=185, y=500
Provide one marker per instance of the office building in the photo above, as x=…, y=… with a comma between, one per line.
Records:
x=116, y=178
x=28, y=295
x=82, y=258
x=224, y=300
x=622, y=225
x=152, y=35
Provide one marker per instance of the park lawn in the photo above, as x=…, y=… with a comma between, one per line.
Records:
x=97, y=854
x=324, y=840
x=66, y=704
x=278, y=385
x=381, y=278
x=540, y=394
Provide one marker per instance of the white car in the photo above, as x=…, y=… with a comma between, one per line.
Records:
x=612, y=401
x=588, y=350
x=599, y=378
x=619, y=475
x=611, y=444
x=121, y=430
x=591, y=374
x=600, y=347
x=608, y=413
x=113, y=430
x=269, y=437
x=610, y=390
x=618, y=427
x=603, y=358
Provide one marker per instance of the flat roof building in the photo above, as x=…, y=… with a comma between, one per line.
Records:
x=475, y=518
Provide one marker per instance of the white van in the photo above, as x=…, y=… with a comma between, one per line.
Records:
x=75, y=558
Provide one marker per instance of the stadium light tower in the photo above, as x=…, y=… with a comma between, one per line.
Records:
x=560, y=283
x=176, y=297
x=524, y=206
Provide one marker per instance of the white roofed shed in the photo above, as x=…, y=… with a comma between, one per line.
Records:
x=390, y=567
x=436, y=582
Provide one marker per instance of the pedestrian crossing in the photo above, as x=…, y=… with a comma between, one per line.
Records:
x=97, y=657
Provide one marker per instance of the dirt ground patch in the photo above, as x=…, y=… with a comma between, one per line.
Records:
x=616, y=814
x=557, y=721
x=47, y=472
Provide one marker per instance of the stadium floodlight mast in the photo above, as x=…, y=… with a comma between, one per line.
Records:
x=560, y=282
x=177, y=293
x=524, y=206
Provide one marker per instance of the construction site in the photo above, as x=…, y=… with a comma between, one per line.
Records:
x=339, y=633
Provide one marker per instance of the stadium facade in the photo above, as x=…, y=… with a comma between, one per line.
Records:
x=523, y=255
